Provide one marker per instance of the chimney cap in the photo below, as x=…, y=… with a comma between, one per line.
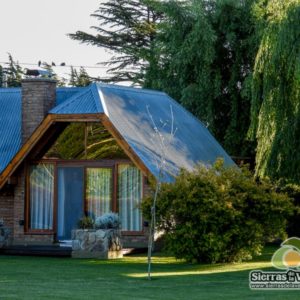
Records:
x=39, y=79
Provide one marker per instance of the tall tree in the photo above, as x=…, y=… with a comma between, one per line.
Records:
x=1, y=76
x=205, y=51
x=127, y=28
x=79, y=79
x=276, y=90
x=13, y=72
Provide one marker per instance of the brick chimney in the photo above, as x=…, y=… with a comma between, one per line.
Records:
x=38, y=97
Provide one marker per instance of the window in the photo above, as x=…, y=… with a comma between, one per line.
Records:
x=94, y=189
x=129, y=195
x=98, y=191
x=41, y=183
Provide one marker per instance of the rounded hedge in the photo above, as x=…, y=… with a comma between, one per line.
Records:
x=219, y=214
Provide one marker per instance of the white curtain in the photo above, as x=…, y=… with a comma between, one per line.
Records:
x=129, y=196
x=98, y=191
x=41, y=180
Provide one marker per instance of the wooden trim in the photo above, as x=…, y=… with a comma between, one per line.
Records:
x=115, y=205
x=77, y=118
x=55, y=201
x=124, y=145
x=26, y=200
x=114, y=200
x=27, y=216
x=26, y=148
x=49, y=120
x=84, y=162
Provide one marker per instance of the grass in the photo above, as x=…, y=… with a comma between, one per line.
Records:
x=66, y=278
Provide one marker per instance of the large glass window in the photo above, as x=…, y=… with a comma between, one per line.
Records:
x=129, y=195
x=80, y=190
x=98, y=191
x=41, y=196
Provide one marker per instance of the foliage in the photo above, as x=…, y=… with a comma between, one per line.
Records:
x=13, y=72
x=107, y=221
x=293, y=191
x=201, y=52
x=1, y=76
x=219, y=214
x=99, y=143
x=79, y=79
x=203, y=56
x=86, y=223
x=276, y=90
x=127, y=28
x=60, y=82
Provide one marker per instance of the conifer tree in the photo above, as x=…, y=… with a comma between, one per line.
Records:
x=126, y=28
x=13, y=72
x=79, y=79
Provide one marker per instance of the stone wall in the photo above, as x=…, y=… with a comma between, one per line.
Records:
x=101, y=244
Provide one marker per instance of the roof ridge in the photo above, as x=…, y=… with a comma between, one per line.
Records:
x=128, y=88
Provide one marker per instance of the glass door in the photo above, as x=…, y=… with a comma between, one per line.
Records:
x=70, y=195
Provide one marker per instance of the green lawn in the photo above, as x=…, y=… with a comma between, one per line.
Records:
x=66, y=278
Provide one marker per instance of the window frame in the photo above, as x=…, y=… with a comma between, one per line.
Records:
x=85, y=164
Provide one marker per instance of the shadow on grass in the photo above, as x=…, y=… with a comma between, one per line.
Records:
x=54, y=278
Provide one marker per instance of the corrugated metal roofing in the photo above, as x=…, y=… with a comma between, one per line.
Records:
x=10, y=125
x=10, y=120
x=131, y=110
x=85, y=102
x=135, y=113
x=64, y=93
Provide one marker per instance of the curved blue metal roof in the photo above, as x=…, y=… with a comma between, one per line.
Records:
x=144, y=118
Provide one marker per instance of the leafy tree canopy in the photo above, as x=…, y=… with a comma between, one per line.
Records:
x=203, y=56
x=276, y=90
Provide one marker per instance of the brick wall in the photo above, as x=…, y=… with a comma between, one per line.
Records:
x=19, y=236
x=38, y=97
x=6, y=209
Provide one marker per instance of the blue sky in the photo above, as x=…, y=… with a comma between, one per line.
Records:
x=33, y=30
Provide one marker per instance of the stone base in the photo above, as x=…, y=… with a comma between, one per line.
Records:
x=99, y=244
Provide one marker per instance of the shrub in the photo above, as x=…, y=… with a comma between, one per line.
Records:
x=86, y=223
x=219, y=214
x=293, y=191
x=107, y=221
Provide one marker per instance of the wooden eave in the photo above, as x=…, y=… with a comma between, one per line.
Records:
x=52, y=119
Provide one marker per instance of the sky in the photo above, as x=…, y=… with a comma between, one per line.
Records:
x=33, y=30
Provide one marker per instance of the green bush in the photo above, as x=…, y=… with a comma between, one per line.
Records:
x=293, y=191
x=219, y=214
x=86, y=223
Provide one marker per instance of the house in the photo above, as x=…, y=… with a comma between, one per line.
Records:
x=66, y=152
